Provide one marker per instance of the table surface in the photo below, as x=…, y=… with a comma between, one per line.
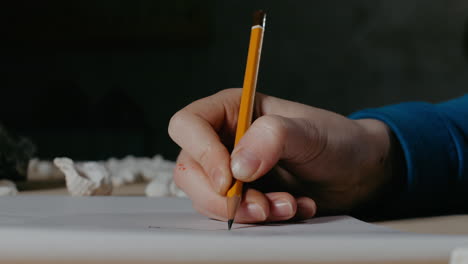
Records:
x=452, y=224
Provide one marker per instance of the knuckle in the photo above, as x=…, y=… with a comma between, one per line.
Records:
x=274, y=126
x=176, y=121
x=230, y=91
x=316, y=142
x=204, y=156
x=210, y=154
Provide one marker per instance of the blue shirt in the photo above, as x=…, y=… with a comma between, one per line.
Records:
x=434, y=140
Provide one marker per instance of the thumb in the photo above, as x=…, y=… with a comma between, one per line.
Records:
x=272, y=138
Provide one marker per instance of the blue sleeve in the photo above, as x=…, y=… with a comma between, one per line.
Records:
x=434, y=140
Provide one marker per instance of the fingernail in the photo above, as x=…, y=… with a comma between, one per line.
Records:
x=282, y=208
x=256, y=211
x=244, y=164
x=217, y=179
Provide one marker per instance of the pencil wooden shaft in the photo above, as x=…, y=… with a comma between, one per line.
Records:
x=246, y=105
x=250, y=83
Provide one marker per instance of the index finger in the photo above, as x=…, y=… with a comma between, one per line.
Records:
x=195, y=129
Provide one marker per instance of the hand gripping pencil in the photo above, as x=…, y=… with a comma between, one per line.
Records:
x=234, y=194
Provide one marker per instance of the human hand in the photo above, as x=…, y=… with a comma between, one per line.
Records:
x=299, y=160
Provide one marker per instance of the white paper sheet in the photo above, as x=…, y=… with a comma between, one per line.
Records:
x=138, y=228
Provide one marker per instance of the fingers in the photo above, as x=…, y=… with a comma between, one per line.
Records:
x=255, y=207
x=193, y=181
x=207, y=166
x=195, y=129
x=306, y=208
x=271, y=138
x=283, y=206
x=203, y=144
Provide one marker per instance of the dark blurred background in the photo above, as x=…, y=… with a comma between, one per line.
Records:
x=94, y=79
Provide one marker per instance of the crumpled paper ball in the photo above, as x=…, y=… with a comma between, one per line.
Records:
x=85, y=179
x=7, y=188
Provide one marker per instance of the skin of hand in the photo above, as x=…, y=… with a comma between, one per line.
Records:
x=297, y=160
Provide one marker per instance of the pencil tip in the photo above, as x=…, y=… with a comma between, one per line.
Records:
x=230, y=221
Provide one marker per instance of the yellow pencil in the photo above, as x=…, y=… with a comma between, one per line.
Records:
x=234, y=194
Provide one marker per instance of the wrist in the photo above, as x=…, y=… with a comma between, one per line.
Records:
x=386, y=172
